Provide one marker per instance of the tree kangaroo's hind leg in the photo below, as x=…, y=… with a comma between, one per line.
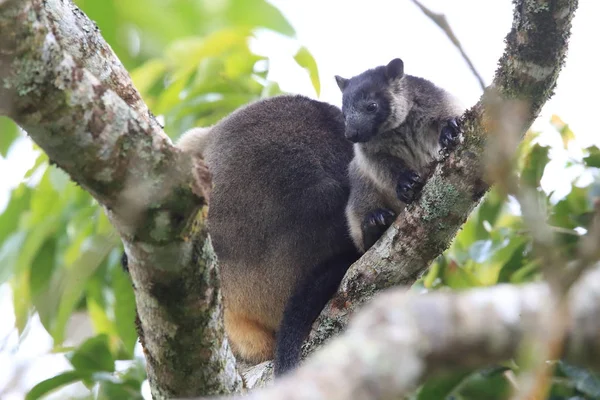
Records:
x=249, y=339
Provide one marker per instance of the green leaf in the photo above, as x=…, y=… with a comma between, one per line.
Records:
x=488, y=212
x=307, y=61
x=515, y=261
x=534, y=166
x=9, y=131
x=17, y=205
x=59, y=179
x=124, y=304
x=97, y=306
x=487, y=383
x=431, y=277
x=136, y=372
x=569, y=212
x=218, y=108
x=41, y=162
x=103, y=225
x=259, y=13
x=72, y=282
x=42, y=267
x=21, y=300
x=441, y=387
x=48, y=385
x=171, y=95
x=585, y=381
x=457, y=277
x=527, y=273
x=507, y=256
x=146, y=75
x=189, y=52
x=124, y=385
x=490, y=209
x=566, y=133
x=567, y=136
x=36, y=237
x=593, y=158
x=271, y=89
x=93, y=355
x=240, y=64
x=9, y=254
x=110, y=390
x=177, y=19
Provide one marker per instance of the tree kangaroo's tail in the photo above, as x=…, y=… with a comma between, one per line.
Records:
x=305, y=305
x=195, y=141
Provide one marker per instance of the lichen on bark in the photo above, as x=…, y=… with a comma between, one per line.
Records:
x=63, y=84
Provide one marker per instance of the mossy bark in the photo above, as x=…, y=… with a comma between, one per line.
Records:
x=62, y=83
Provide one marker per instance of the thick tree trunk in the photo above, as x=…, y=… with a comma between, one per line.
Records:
x=63, y=84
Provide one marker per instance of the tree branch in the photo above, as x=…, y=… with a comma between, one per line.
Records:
x=403, y=338
x=63, y=84
x=535, y=51
x=441, y=21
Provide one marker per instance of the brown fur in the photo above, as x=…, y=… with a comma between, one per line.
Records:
x=280, y=186
x=250, y=340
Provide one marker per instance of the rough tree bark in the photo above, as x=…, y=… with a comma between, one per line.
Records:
x=63, y=84
x=66, y=88
x=401, y=338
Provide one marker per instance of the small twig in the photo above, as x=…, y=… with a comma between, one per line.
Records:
x=556, y=229
x=441, y=21
x=512, y=379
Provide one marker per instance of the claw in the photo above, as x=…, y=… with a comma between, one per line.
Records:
x=375, y=223
x=408, y=187
x=449, y=135
x=413, y=177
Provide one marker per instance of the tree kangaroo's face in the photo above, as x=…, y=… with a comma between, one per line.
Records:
x=366, y=101
x=365, y=110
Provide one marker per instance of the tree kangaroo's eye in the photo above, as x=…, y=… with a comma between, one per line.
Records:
x=371, y=107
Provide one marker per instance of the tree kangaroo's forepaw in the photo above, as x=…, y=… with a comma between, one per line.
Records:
x=409, y=186
x=450, y=135
x=374, y=224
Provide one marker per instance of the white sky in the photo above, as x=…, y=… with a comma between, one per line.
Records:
x=346, y=37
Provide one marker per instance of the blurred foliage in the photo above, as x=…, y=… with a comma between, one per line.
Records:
x=10, y=132
x=192, y=62
x=495, y=246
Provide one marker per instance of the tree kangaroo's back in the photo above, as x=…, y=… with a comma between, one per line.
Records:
x=276, y=218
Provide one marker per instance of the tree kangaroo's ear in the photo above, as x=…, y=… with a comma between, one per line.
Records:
x=395, y=69
x=341, y=82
